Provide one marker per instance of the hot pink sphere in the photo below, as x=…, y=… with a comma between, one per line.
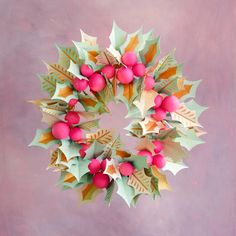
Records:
x=86, y=70
x=101, y=180
x=75, y=134
x=158, y=146
x=94, y=166
x=159, y=161
x=83, y=149
x=108, y=71
x=160, y=114
x=60, y=130
x=103, y=164
x=97, y=82
x=170, y=103
x=72, y=117
x=126, y=168
x=72, y=102
x=139, y=69
x=147, y=154
x=129, y=58
x=158, y=100
x=125, y=75
x=149, y=82
x=80, y=84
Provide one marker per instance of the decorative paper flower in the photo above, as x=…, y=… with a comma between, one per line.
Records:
x=157, y=97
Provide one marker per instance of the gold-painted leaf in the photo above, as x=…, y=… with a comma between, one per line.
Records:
x=162, y=180
x=169, y=86
x=150, y=125
x=113, y=145
x=102, y=136
x=89, y=192
x=89, y=125
x=112, y=169
x=135, y=129
x=106, y=58
x=184, y=91
x=122, y=153
x=145, y=143
x=69, y=178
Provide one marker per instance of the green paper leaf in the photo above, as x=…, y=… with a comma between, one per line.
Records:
x=135, y=129
x=70, y=149
x=95, y=150
x=193, y=90
x=194, y=106
x=168, y=86
x=75, y=70
x=174, y=167
x=109, y=192
x=89, y=125
x=111, y=146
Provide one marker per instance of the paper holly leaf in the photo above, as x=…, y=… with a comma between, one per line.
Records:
x=121, y=153
x=109, y=192
x=146, y=101
x=90, y=40
x=95, y=150
x=171, y=72
x=49, y=119
x=150, y=52
x=115, y=53
x=102, y=136
x=199, y=132
x=139, y=162
x=44, y=138
x=135, y=129
x=145, y=144
x=70, y=149
x=89, y=192
x=171, y=132
x=112, y=169
x=89, y=125
x=106, y=58
x=174, y=167
x=74, y=69
x=193, y=105
x=67, y=181
x=113, y=145
x=87, y=114
x=117, y=36
x=150, y=125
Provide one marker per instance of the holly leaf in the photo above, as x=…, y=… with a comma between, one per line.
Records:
x=150, y=125
x=113, y=145
x=193, y=105
x=49, y=119
x=89, y=192
x=102, y=136
x=135, y=129
x=70, y=149
x=174, y=167
x=109, y=192
x=94, y=150
x=145, y=144
x=90, y=40
x=106, y=58
x=74, y=69
x=89, y=125
x=111, y=169
x=139, y=162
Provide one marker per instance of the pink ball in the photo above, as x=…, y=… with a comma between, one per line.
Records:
x=83, y=149
x=75, y=134
x=94, y=166
x=158, y=146
x=159, y=161
x=60, y=130
x=170, y=103
x=97, y=82
x=101, y=180
x=139, y=69
x=72, y=117
x=147, y=154
x=149, y=83
x=158, y=100
x=72, y=102
x=159, y=115
x=86, y=70
x=125, y=75
x=103, y=164
x=80, y=84
x=129, y=58
x=108, y=71
x=126, y=168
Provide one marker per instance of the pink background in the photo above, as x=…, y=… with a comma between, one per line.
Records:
x=203, y=201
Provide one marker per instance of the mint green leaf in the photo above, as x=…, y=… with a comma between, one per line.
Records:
x=174, y=167
x=109, y=192
x=89, y=125
x=193, y=90
x=168, y=86
x=193, y=105
x=95, y=150
x=139, y=162
x=70, y=149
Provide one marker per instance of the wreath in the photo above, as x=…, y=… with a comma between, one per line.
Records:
x=159, y=100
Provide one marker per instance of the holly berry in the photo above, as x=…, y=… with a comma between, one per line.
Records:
x=158, y=101
x=86, y=70
x=139, y=69
x=129, y=58
x=72, y=117
x=108, y=71
x=125, y=75
x=170, y=103
x=149, y=82
x=158, y=146
x=75, y=134
x=101, y=180
x=94, y=166
x=80, y=84
x=160, y=114
x=83, y=149
x=103, y=164
x=97, y=82
x=159, y=161
x=126, y=168
x=60, y=130
x=147, y=154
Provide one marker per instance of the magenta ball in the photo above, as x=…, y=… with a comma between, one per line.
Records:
x=72, y=102
x=86, y=70
x=129, y=58
x=149, y=82
x=170, y=103
x=126, y=168
x=60, y=130
x=158, y=146
x=108, y=71
x=101, y=180
x=147, y=154
x=75, y=134
x=103, y=164
x=83, y=149
x=80, y=84
x=158, y=100
x=125, y=75
x=139, y=69
x=159, y=161
x=94, y=166
x=160, y=114
x=72, y=117
x=97, y=82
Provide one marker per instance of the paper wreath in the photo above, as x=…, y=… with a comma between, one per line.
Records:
x=157, y=97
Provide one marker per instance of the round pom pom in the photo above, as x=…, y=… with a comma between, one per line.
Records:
x=85, y=70
x=170, y=103
x=158, y=100
x=139, y=69
x=125, y=75
x=75, y=134
x=129, y=58
x=147, y=154
x=160, y=114
x=103, y=164
x=80, y=84
x=97, y=82
x=82, y=151
x=101, y=180
x=60, y=130
x=149, y=83
x=94, y=166
x=108, y=71
x=72, y=102
x=72, y=117
x=158, y=146
x=126, y=168
x=159, y=161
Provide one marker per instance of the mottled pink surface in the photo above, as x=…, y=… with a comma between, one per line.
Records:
x=203, y=200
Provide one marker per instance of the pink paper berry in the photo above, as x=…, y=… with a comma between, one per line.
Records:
x=72, y=117
x=103, y=164
x=158, y=146
x=60, y=130
x=129, y=58
x=86, y=70
x=72, y=102
x=159, y=114
x=126, y=168
x=159, y=161
x=97, y=82
x=94, y=166
x=75, y=134
x=147, y=154
x=139, y=69
x=80, y=84
x=158, y=100
x=170, y=103
x=83, y=149
x=101, y=180
x=108, y=71
x=149, y=82
x=125, y=75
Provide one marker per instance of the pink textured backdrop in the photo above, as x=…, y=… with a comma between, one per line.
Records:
x=203, y=201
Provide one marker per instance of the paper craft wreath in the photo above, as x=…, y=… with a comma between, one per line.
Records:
x=157, y=97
